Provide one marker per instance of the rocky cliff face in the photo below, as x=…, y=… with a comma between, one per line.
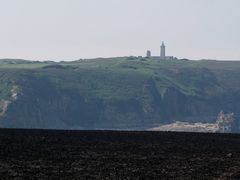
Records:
x=71, y=98
x=42, y=105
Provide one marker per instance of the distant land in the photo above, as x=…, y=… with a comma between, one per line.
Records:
x=122, y=93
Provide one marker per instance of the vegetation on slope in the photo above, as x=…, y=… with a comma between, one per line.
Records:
x=124, y=92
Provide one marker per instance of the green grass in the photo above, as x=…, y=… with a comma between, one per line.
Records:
x=124, y=78
x=22, y=66
x=121, y=89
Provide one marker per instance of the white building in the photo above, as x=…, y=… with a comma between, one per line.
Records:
x=163, y=53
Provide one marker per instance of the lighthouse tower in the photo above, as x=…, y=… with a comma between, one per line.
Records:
x=163, y=53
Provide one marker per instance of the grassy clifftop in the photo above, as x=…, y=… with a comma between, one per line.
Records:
x=124, y=92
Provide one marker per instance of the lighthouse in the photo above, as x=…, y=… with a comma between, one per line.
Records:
x=163, y=51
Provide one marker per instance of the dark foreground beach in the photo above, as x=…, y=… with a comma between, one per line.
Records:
x=44, y=154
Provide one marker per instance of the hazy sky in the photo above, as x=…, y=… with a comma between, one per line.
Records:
x=73, y=29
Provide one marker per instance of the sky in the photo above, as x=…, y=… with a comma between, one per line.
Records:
x=73, y=29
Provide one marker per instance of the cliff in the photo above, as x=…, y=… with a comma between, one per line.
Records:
x=116, y=93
